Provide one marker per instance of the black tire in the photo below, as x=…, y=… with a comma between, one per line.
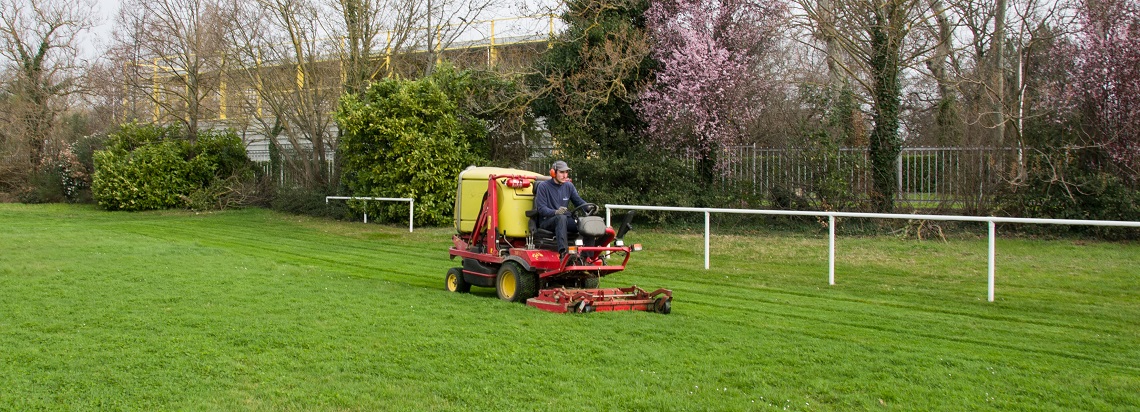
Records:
x=591, y=282
x=663, y=305
x=455, y=282
x=513, y=284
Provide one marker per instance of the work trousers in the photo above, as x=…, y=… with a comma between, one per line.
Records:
x=560, y=225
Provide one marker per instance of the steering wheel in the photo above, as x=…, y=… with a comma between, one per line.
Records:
x=587, y=209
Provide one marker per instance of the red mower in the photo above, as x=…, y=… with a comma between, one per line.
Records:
x=502, y=247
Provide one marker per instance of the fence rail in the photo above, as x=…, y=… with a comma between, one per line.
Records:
x=411, y=205
x=990, y=220
x=286, y=176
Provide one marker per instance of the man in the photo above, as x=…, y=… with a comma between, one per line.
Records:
x=551, y=198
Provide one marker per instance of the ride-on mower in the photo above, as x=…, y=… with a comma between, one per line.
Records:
x=501, y=246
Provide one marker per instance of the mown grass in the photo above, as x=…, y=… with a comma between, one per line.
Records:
x=256, y=310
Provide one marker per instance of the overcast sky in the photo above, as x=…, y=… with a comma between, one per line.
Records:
x=106, y=10
x=100, y=37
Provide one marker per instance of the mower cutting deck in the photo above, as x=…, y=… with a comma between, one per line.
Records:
x=562, y=300
x=501, y=246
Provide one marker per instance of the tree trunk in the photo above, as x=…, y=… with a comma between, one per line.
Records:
x=997, y=74
x=837, y=76
x=885, y=145
x=946, y=116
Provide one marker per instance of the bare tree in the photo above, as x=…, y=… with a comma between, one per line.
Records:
x=371, y=30
x=374, y=31
x=941, y=65
x=876, y=38
x=996, y=73
x=282, y=58
x=38, y=45
x=446, y=20
x=108, y=102
x=994, y=39
x=981, y=77
x=175, y=53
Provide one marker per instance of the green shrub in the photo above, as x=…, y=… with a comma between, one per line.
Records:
x=64, y=175
x=1069, y=185
x=45, y=185
x=150, y=177
x=134, y=135
x=491, y=108
x=222, y=152
x=81, y=175
x=401, y=139
x=147, y=167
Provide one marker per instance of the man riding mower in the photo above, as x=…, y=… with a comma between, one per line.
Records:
x=502, y=243
x=551, y=198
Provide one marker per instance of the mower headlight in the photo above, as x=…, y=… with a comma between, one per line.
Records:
x=619, y=243
x=578, y=242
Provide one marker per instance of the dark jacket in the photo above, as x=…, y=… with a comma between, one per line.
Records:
x=549, y=196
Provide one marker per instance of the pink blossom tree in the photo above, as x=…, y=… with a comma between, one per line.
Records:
x=709, y=87
x=1107, y=76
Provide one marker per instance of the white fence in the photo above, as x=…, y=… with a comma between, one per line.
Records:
x=831, y=226
x=411, y=205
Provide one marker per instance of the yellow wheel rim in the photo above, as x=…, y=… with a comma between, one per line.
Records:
x=452, y=282
x=507, y=284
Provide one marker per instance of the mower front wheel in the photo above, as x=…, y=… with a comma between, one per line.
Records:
x=514, y=284
x=455, y=281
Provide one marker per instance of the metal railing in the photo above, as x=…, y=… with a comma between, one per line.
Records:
x=990, y=220
x=285, y=176
x=924, y=175
x=411, y=205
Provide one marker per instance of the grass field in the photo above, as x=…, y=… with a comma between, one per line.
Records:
x=254, y=310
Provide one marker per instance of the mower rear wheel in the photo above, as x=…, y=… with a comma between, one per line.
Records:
x=591, y=282
x=455, y=281
x=514, y=284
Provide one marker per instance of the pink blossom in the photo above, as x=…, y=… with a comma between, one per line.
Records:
x=708, y=90
x=1107, y=75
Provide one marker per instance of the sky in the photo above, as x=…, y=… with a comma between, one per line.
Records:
x=106, y=10
x=100, y=35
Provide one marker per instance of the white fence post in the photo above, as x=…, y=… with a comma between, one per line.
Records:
x=706, y=239
x=831, y=249
x=991, y=263
x=411, y=205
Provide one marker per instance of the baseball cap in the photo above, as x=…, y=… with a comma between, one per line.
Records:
x=560, y=166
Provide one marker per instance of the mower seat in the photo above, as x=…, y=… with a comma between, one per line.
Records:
x=542, y=238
